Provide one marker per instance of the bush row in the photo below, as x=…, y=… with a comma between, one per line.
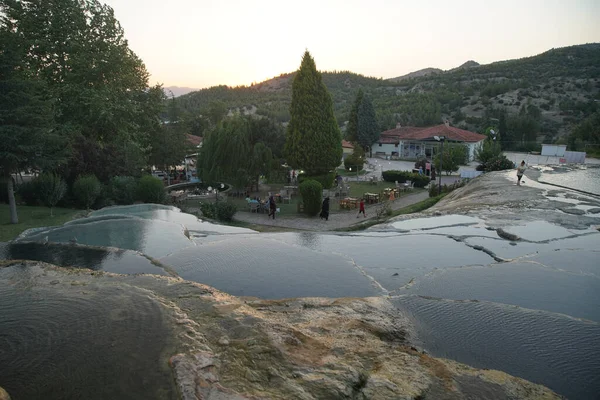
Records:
x=419, y=181
x=88, y=192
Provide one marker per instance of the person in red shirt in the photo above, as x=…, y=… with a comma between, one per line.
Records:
x=362, y=208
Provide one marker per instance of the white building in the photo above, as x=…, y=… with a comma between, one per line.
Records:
x=408, y=142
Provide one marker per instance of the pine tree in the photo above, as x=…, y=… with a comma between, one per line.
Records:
x=368, y=130
x=314, y=140
x=352, y=128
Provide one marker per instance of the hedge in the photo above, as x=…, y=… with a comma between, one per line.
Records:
x=404, y=176
x=151, y=190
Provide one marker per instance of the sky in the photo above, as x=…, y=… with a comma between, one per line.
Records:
x=203, y=43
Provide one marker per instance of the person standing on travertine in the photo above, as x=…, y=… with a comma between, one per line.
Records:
x=520, y=171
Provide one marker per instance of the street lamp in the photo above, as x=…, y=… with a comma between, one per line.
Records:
x=440, y=139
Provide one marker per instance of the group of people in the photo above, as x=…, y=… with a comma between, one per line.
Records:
x=270, y=201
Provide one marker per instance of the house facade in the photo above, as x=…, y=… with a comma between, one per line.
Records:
x=408, y=142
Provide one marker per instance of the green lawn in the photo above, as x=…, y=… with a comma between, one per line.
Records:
x=32, y=217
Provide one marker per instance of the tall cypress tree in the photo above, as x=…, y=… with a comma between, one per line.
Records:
x=368, y=129
x=352, y=128
x=314, y=140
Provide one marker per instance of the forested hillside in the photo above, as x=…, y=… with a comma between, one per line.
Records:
x=533, y=99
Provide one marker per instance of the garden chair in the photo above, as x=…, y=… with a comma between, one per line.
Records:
x=254, y=207
x=285, y=196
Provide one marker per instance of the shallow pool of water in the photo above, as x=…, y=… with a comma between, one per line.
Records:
x=584, y=179
x=93, y=343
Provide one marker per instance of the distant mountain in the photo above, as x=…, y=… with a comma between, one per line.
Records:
x=468, y=64
x=177, y=90
x=417, y=74
x=556, y=89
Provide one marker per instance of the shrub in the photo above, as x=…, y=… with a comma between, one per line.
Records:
x=420, y=181
x=121, y=189
x=326, y=180
x=499, y=163
x=488, y=150
x=86, y=189
x=28, y=193
x=396, y=176
x=50, y=189
x=208, y=210
x=151, y=190
x=225, y=211
x=311, y=192
x=103, y=199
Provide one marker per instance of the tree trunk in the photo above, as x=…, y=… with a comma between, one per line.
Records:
x=14, y=218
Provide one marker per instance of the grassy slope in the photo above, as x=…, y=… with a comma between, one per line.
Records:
x=32, y=217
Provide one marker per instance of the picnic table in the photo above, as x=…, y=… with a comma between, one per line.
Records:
x=371, y=198
x=349, y=202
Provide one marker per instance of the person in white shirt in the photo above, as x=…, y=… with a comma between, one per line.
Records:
x=520, y=171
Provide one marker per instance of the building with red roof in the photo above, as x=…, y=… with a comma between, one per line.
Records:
x=409, y=142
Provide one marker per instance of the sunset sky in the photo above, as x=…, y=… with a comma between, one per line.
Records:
x=202, y=43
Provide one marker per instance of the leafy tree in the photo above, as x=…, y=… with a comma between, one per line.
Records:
x=101, y=87
x=454, y=156
x=51, y=188
x=217, y=110
x=588, y=131
x=169, y=142
x=488, y=150
x=314, y=141
x=86, y=189
x=239, y=150
x=28, y=138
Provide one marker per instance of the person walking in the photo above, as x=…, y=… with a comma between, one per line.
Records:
x=520, y=171
x=361, y=209
x=325, y=209
x=272, y=206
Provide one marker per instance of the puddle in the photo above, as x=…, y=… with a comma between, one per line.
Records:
x=539, y=231
x=556, y=351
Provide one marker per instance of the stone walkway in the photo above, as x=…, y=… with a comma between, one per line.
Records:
x=337, y=220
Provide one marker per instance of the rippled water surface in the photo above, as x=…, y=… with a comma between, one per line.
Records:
x=89, y=343
x=560, y=352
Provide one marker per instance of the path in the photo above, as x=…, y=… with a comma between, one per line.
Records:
x=337, y=220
